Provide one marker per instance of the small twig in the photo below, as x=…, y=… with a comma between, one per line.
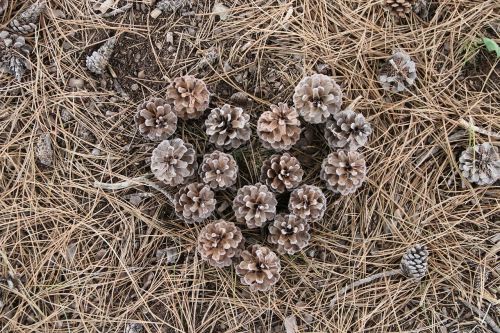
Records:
x=364, y=281
x=117, y=11
x=469, y=125
x=485, y=317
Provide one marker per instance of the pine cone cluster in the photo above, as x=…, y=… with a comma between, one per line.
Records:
x=254, y=205
x=27, y=21
x=317, y=97
x=228, y=127
x=289, y=232
x=174, y=161
x=343, y=171
x=348, y=130
x=14, y=54
x=308, y=203
x=195, y=202
x=259, y=268
x=398, y=73
x=414, y=262
x=480, y=164
x=155, y=119
x=219, y=170
x=279, y=128
x=281, y=172
x=189, y=97
x=220, y=242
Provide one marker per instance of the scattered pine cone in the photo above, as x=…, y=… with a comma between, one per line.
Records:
x=219, y=170
x=189, y=96
x=289, y=232
x=155, y=119
x=14, y=54
x=281, y=172
x=98, y=60
x=27, y=21
x=220, y=242
x=414, y=262
x=398, y=73
x=173, y=161
x=480, y=164
x=279, y=128
x=228, y=127
x=254, y=205
x=343, y=171
x=259, y=268
x=399, y=7
x=348, y=130
x=308, y=203
x=316, y=97
x=195, y=202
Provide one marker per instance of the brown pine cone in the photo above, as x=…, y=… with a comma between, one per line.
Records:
x=189, y=96
x=174, y=161
x=279, y=128
x=259, y=268
x=155, y=119
x=220, y=242
x=398, y=73
x=195, y=202
x=290, y=233
x=308, y=203
x=414, y=262
x=348, y=130
x=219, y=170
x=281, y=172
x=14, y=54
x=27, y=21
x=481, y=164
x=254, y=205
x=316, y=97
x=343, y=171
x=399, y=7
x=228, y=127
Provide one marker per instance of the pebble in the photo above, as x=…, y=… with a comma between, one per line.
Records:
x=134, y=87
x=141, y=75
x=76, y=83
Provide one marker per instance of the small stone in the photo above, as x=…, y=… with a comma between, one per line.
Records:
x=76, y=83
x=134, y=87
x=141, y=75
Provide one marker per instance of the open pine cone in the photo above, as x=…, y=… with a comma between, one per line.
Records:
x=220, y=242
x=343, y=171
x=173, y=161
x=228, y=127
x=281, y=172
x=219, y=170
x=399, y=7
x=259, y=268
x=308, y=203
x=27, y=21
x=348, y=130
x=480, y=164
x=14, y=54
x=195, y=202
x=189, y=96
x=279, y=128
x=289, y=232
x=155, y=119
x=398, y=73
x=316, y=97
x=414, y=262
x=254, y=205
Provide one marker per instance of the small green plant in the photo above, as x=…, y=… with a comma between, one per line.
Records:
x=491, y=46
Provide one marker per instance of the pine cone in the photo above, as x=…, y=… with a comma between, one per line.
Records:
x=189, y=95
x=254, y=205
x=173, y=161
x=399, y=7
x=279, y=128
x=27, y=21
x=289, y=232
x=228, y=127
x=195, y=202
x=414, y=262
x=155, y=119
x=259, y=268
x=220, y=242
x=343, y=171
x=308, y=203
x=480, y=164
x=398, y=73
x=3, y=6
x=348, y=130
x=316, y=97
x=219, y=170
x=98, y=60
x=281, y=172
x=14, y=54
